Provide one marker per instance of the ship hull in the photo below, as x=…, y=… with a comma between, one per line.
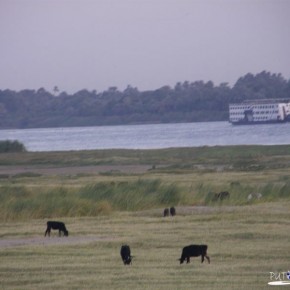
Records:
x=258, y=122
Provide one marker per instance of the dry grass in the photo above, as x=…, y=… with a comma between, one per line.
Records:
x=245, y=244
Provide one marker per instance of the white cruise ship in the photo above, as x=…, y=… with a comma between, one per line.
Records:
x=259, y=112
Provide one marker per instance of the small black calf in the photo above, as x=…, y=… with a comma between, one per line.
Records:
x=221, y=196
x=172, y=211
x=194, y=251
x=126, y=255
x=60, y=226
x=166, y=212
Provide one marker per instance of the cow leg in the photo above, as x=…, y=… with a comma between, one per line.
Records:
x=202, y=258
x=208, y=259
x=187, y=259
x=47, y=232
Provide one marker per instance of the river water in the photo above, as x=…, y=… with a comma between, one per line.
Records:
x=148, y=136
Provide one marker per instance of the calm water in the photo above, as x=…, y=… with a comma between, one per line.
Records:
x=148, y=136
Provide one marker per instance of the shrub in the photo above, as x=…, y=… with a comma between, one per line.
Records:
x=11, y=146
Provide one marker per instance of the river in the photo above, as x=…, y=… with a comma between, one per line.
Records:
x=148, y=136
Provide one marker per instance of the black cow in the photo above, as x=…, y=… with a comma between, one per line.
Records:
x=60, y=226
x=221, y=196
x=194, y=251
x=126, y=255
x=172, y=211
x=166, y=212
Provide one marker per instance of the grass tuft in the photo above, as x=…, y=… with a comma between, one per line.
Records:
x=92, y=200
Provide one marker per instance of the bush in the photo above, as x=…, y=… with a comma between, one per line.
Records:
x=11, y=146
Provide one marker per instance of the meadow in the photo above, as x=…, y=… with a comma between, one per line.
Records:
x=245, y=244
x=247, y=239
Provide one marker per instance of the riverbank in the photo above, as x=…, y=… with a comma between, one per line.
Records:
x=92, y=183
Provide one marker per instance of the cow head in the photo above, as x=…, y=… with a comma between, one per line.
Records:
x=128, y=261
x=181, y=260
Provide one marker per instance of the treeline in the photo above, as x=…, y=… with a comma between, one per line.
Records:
x=185, y=102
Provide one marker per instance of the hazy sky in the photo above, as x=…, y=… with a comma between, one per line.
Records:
x=95, y=44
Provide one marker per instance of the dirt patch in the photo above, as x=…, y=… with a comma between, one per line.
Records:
x=190, y=210
x=47, y=241
x=131, y=169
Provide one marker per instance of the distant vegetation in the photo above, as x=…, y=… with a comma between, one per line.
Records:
x=185, y=102
x=177, y=176
x=18, y=202
x=11, y=146
x=223, y=158
x=199, y=159
x=104, y=198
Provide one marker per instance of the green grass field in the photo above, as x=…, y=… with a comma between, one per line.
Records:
x=103, y=210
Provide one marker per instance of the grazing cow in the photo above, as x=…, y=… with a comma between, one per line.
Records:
x=194, y=251
x=221, y=196
x=172, y=211
x=166, y=212
x=60, y=226
x=126, y=255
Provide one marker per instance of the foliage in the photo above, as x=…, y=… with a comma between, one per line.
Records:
x=240, y=157
x=18, y=202
x=140, y=194
x=179, y=176
x=239, y=193
x=186, y=102
x=102, y=198
x=11, y=146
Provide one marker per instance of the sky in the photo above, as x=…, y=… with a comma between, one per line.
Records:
x=97, y=44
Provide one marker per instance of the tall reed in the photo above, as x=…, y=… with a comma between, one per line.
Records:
x=18, y=202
